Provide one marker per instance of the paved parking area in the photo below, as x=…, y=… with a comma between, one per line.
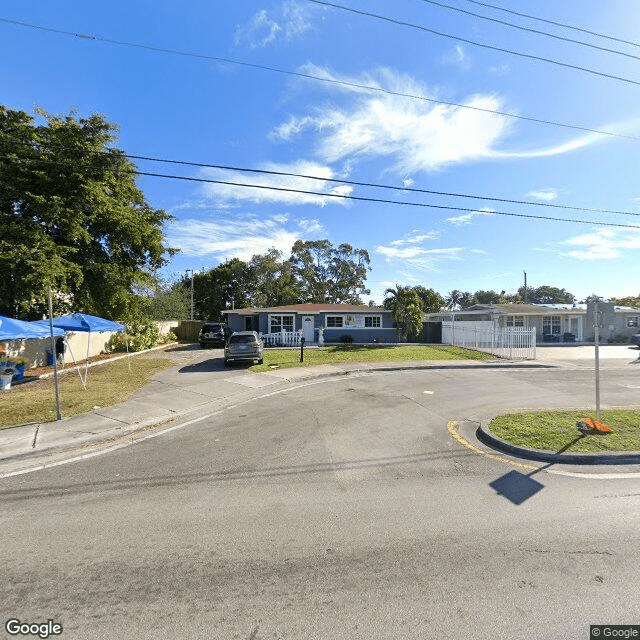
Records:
x=586, y=353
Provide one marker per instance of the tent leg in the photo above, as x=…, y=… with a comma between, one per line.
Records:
x=84, y=381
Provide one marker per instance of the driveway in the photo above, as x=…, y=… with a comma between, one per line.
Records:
x=584, y=355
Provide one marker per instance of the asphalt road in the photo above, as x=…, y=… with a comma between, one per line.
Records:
x=341, y=509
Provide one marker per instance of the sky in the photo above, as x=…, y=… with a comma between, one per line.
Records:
x=398, y=97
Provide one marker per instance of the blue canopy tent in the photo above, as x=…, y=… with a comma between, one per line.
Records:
x=11, y=329
x=83, y=322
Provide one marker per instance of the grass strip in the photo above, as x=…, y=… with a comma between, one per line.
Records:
x=107, y=384
x=285, y=358
x=554, y=430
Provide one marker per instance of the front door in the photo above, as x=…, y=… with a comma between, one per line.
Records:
x=307, y=329
x=575, y=328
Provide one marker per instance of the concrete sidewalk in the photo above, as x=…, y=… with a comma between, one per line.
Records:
x=197, y=386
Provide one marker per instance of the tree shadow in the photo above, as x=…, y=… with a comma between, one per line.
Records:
x=518, y=487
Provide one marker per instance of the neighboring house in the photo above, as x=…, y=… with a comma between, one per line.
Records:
x=317, y=323
x=552, y=322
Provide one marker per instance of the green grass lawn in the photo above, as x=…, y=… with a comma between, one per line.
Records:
x=554, y=430
x=107, y=385
x=283, y=358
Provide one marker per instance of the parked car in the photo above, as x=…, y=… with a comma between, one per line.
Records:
x=243, y=346
x=636, y=339
x=213, y=334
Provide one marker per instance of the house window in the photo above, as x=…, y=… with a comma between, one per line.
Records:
x=280, y=323
x=515, y=321
x=551, y=324
x=334, y=321
x=373, y=322
x=632, y=321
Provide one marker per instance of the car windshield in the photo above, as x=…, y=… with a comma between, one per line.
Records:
x=212, y=327
x=242, y=338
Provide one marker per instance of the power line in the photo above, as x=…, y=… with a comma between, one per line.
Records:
x=310, y=76
x=520, y=54
x=531, y=30
x=380, y=200
x=354, y=198
x=356, y=183
x=557, y=24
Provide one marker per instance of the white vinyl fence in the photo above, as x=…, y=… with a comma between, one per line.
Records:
x=515, y=343
x=281, y=339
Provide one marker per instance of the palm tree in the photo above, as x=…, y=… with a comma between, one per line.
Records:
x=406, y=305
x=453, y=299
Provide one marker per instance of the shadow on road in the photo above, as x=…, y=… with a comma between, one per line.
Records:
x=123, y=484
x=518, y=487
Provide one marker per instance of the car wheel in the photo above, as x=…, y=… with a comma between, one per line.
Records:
x=261, y=361
x=226, y=363
x=202, y=345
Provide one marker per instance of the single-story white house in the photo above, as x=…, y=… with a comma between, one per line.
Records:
x=552, y=322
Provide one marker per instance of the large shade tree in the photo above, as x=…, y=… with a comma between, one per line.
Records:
x=324, y=273
x=72, y=217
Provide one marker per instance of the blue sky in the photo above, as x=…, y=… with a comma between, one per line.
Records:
x=200, y=109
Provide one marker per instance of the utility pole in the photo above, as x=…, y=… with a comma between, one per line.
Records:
x=525, y=286
x=191, y=270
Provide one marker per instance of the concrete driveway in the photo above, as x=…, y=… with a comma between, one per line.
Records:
x=584, y=355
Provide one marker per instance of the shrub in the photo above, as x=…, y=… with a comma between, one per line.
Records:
x=346, y=339
x=139, y=336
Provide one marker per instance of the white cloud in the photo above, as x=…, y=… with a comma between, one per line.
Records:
x=458, y=57
x=408, y=182
x=273, y=188
x=411, y=252
x=232, y=236
x=417, y=135
x=416, y=237
x=604, y=244
x=546, y=195
x=311, y=226
x=466, y=218
x=289, y=21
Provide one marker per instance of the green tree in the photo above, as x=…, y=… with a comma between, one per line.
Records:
x=273, y=281
x=547, y=295
x=489, y=297
x=72, y=217
x=324, y=273
x=432, y=301
x=453, y=299
x=406, y=305
x=467, y=300
x=166, y=301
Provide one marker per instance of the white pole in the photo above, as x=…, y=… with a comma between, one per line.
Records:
x=84, y=386
x=597, y=356
x=55, y=363
x=86, y=364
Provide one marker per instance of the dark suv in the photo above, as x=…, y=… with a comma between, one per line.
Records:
x=213, y=334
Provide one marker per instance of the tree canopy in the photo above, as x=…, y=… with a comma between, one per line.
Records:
x=72, y=217
x=324, y=273
x=407, y=307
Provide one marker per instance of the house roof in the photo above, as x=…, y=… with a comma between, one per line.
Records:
x=508, y=309
x=309, y=308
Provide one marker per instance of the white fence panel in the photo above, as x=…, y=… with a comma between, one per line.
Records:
x=282, y=339
x=515, y=343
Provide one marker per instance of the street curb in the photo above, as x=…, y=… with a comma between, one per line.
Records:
x=623, y=457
